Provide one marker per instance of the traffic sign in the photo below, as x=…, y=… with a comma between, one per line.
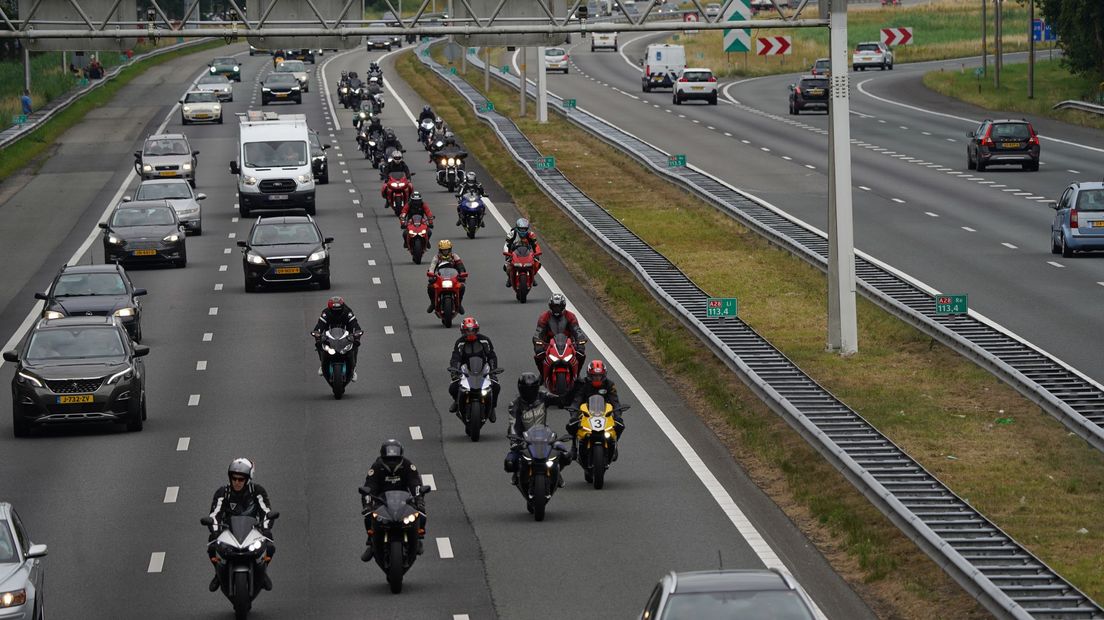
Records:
x=452, y=70
x=471, y=51
x=737, y=39
x=948, y=305
x=720, y=307
x=773, y=46
x=546, y=163
x=569, y=104
x=1041, y=31
x=893, y=37
x=486, y=106
x=676, y=161
x=19, y=119
x=505, y=68
x=1048, y=33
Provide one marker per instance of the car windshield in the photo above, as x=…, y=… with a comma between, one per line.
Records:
x=554, y=51
x=275, y=153
x=7, y=545
x=697, y=76
x=772, y=605
x=867, y=47
x=166, y=146
x=214, y=79
x=814, y=83
x=1011, y=131
x=1090, y=200
x=281, y=234
x=291, y=66
x=200, y=98
x=281, y=78
x=823, y=64
x=73, y=284
x=160, y=191
x=224, y=61
x=80, y=343
x=143, y=216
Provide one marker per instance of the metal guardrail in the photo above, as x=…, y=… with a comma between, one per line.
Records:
x=1084, y=106
x=1005, y=577
x=1074, y=399
x=15, y=133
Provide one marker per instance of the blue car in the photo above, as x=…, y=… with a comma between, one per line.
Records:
x=1079, y=222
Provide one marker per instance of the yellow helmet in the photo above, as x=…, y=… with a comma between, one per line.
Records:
x=444, y=246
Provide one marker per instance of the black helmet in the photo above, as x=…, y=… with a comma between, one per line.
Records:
x=557, y=304
x=390, y=133
x=240, y=467
x=529, y=386
x=391, y=453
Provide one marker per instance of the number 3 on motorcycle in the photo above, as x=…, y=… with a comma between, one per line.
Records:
x=596, y=423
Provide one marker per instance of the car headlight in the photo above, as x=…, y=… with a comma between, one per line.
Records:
x=171, y=238
x=217, y=107
x=446, y=284
x=13, y=598
x=319, y=255
x=254, y=258
x=250, y=180
x=212, y=69
x=114, y=240
x=147, y=168
x=304, y=178
x=266, y=89
x=328, y=349
x=183, y=212
x=294, y=88
x=52, y=314
x=124, y=312
x=122, y=374
x=25, y=377
x=186, y=166
x=236, y=68
x=187, y=108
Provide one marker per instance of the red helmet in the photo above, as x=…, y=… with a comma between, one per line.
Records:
x=470, y=328
x=335, y=303
x=596, y=371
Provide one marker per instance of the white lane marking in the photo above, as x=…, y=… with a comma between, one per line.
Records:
x=360, y=215
x=387, y=329
x=183, y=443
x=193, y=400
x=382, y=304
x=968, y=229
x=444, y=547
x=212, y=311
x=1009, y=246
x=376, y=280
x=741, y=139
x=356, y=201
x=942, y=169
x=201, y=365
x=157, y=562
x=951, y=140
x=930, y=214
x=207, y=336
x=427, y=479
x=218, y=287
x=226, y=250
x=170, y=494
x=416, y=433
x=344, y=171
x=364, y=231
x=1058, y=265
x=898, y=200
x=222, y=267
x=864, y=188
x=955, y=172
x=341, y=163
x=349, y=181
x=727, y=135
x=1034, y=197
x=881, y=121
x=1073, y=171
x=404, y=391
x=762, y=148
x=903, y=127
x=460, y=617
x=711, y=127
x=372, y=261
x=926, y=133
x=787, y=158
x=695, y=120
x=999, y=185
x=810, y=166
x=234, y=219
x=231, y=235
x=1012, y=189
x=396, y=357
x=1022, y=194
x=1100, y=283
x=367, y=246
x=351, y=190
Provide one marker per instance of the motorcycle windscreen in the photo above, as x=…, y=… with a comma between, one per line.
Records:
x=540, y=440
x=560, y=341
x=241, y=526
x=596, y=405
x=470, y=202
x=396, y=176
x=415, y=220
x=448, y=272
x=522, y=251
x=396, y=504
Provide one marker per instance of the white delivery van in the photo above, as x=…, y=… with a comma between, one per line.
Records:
x=274, y=162
x=662, y=65
x=603, y=41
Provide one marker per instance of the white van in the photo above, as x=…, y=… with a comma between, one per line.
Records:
x=603, y=40
x=662, y=65
x=275, y=169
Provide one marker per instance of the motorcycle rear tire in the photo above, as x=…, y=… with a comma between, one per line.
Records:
x=447, y=312
x=337, y=380
x=475, y=420
x=540, y=496
x=395, y=566
x=417, y=249
x=522, y=292
x=241, y=597
x=598, y=465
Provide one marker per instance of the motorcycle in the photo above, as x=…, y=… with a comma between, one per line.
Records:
x=522, y=268
x=356, y=93
x=447, y=285
x=338, y=364
x=472, y=210
x=377, y=103
x=475, y=396
x=363, y=115
x=240, y=549
x=416, y=236
x=596, y=438
x=371, y=148
x=425, y=130
x=542, y=459
x=561, y=366
x=397, y=528
x=450, y=169
x=396, y=191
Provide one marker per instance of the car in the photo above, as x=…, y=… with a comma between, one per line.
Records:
x=1079, y=222
x=811, y=92
x=200, y=106
x=555, y=59
x=320, y=164
x=227, y=66
x=285, y=249
x=22, y=577
x=695, y=84
x=184, y=200
x=821, y=66
x=766, y=5
x=297, y=68
x=871, y=54
x=95, y=290
x=380, y=42
x=217, y=84
x=603, y=40
x=144, y=232
x=306, y=55
x=1002, y=143
x=167, y=155
x=75, y=370
x=724, y=594
x=396, y=39
x=713, y=10
x=281, y=87
x=253, y=51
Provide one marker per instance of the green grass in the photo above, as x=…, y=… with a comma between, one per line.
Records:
x=1053, y=83
x=24, y=151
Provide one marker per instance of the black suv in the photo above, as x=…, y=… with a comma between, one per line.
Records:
x=1003, y=143
x=95, y=290
x=285, y=249
x=78, y=369
x=812, y=92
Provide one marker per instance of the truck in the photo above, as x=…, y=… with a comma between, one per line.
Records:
x=662, y=64
x=274, y=162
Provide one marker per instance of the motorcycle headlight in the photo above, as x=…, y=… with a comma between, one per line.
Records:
x=410, y=518
x=328, y=349
x=446, y=284
x=304, y=178
x=371, y=143
x=319, y=255
x=607, y=434
x=124, y=312
x=444, y=161
x=552, y=357
x=393, y=184
x=486, y=390
x=52, y=314
x=187, y=108
x=363, y=115
x=254, y=258
x=13, y=598
x=451, y=161
x=344, y=91
x=147, y=168
x=550, y=463
x=187, y=166
x=173, y=238
x=347, y=348
x=567, y=358
x=519, y=264
x=256, y=545
x=114, y=240
x=122, y=374
x=25, y=377
x=250, y=180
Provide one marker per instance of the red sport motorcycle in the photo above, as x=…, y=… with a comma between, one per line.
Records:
x=561, y=366
x=522, y=269
x=448, y=284
x=396, y=191
x=416, y=236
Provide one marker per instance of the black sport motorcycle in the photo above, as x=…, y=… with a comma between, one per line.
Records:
x=397, y=529
x=240, y=549
x=339, y=358
x=543, y=456
x=475, y=396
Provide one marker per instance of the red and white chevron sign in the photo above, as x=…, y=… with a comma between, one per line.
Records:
x=773, y=46
x=893, y=37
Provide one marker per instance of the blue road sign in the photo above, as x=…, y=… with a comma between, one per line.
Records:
x=1037, y=29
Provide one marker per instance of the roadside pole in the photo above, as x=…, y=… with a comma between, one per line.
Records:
x=26, y=65
x=523, y=67
x=842, y=321
x=542, y=87
x=998, y=47
x=487, y=71
x=1031, y=50
x=984, y=34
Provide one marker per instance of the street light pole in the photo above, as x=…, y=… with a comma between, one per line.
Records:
x=1031, y=50
x=984, y=34
x=842, y=321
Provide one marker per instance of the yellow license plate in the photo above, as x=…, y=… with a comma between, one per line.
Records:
x=203, y=116
x=168, y=173
x=1012, y=145
x=145, y=252
x=816, y=91
x=286, y=270
x=281, y=94
x=74, y=399
x=1098, y=224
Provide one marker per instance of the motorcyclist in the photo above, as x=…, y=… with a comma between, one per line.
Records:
x=445, y=257
x=470, y=184
x=415, y=206
x=426, y=114
x=518, y=235
x=446, y=147
x=395, y=164
x=242, y=497
x=528, y=409
x=391, y=472
x=375, y=70
x=596, y=383
x=557, y=320
x=390, y=141
x=470, y=344
x=337, y=314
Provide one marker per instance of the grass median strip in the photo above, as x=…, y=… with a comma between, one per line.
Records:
x=995, y=449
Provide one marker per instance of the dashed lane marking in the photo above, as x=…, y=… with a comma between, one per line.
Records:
x=212, y=311
x=968, y=229
x=396, y=357
x=930, y=214
x=382, y=304
x=427, y=479
x=1009, y=246
x=862, y=187
x=218, y=287
x=371, y=262
x=207, y=336
x=444, y=547
x=404, y=391
x=387, y=329
x=416, y=433
x=157, y=562
x=1058, y=265
x=183, y=443
x=170, y=494
x=193, y=400
x=222, y=267
x=201, y=365
x=367, y=246
x=376, y=280
x=898, y=200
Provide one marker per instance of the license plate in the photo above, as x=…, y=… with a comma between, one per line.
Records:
x=657, y=79
x=203, y=116
x=1011, y=145
x=1098, y=224
x=145, y=252
x=816, y=91
x=168, y=173
x=286, y=270
x=281, y=94
x=74, y=399
x=278, y=197
x=695, y=88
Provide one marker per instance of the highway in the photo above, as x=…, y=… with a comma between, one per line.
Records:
x=916, y=207
x=232, y=374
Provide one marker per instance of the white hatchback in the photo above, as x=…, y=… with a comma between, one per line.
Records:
x=200, y=106
x=555, y=59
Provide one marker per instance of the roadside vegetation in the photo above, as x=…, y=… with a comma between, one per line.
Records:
x=994, y=448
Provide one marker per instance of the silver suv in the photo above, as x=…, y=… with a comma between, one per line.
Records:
x=717, y=595
x=21, y=572
x=167, y=156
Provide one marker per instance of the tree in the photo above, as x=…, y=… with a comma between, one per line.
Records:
x=1079, y=25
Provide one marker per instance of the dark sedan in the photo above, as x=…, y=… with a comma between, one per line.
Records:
x=285, y=249
x=811, y=93
x=95, y=290
x=281, y=87
x=144, y=231
x=227, y=66
x=78, y=369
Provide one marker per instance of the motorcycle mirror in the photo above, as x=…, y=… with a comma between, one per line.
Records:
x=208, y=521
x=364, y=491
x=425, y=489
x=272, y=516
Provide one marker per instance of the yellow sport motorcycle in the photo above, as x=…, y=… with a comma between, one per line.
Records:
x=596, y=439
